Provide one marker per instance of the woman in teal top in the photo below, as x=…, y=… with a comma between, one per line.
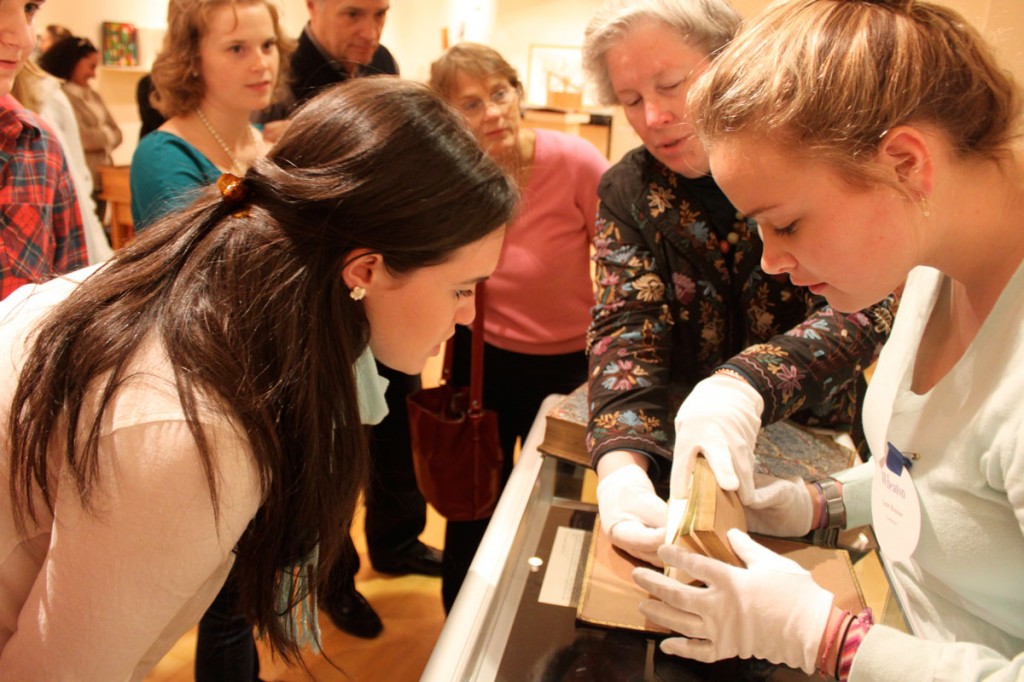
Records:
x=165, y=171
x=220, y=63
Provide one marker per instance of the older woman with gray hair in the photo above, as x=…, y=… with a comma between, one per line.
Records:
x=686, y=319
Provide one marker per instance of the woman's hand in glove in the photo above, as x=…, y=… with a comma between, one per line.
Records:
x=720, y=418
x=632, y=514
x=772, y=609
x=780, y=507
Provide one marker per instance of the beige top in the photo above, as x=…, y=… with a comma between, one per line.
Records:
x=103, y=595
x=100, y=133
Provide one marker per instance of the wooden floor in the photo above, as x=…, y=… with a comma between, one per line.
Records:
x=409, y=606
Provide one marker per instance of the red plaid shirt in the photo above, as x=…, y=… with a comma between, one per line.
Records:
x=40, y=222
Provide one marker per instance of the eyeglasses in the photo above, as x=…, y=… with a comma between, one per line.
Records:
x=475, y=108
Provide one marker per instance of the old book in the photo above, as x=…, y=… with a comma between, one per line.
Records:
x=565, y=428
x=784, y=449
x=609, y=597
x=708, y=513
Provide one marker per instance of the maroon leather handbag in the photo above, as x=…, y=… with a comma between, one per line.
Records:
x=456, y=450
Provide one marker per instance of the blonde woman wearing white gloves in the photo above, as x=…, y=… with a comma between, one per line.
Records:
x=893, y=158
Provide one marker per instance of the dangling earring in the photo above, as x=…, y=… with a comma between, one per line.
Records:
x=357, y=293
x=924, y=207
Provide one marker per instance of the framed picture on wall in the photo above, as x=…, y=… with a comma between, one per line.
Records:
x=554, y=77
x=120, y=44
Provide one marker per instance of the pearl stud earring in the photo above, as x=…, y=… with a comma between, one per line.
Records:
x=357, y=293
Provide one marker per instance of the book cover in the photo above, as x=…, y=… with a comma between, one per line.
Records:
x=609, y=598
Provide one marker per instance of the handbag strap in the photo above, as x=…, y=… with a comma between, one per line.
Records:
x=476, y=372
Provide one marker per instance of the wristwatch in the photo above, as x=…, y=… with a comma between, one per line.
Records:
x=835, y=512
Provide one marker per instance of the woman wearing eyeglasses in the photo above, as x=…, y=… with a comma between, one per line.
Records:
x=685, y=310
x=538, y=301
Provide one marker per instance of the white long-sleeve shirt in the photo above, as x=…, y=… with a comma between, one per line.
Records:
x=55, y=108
x=102, y=594
x=964, y=584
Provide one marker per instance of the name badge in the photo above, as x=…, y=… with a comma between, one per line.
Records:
x=895, y=510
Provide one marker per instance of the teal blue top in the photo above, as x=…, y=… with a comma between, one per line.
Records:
x=166, y=174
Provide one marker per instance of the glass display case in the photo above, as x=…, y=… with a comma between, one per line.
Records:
x=515, y=617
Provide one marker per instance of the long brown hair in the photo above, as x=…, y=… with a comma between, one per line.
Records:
x=249, y=304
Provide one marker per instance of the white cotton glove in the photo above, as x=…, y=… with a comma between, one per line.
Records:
x=720, y=418
x=772, y=609
x=780, y=506
x=631, y=512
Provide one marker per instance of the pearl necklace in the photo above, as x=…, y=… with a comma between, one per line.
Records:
x=236, y=166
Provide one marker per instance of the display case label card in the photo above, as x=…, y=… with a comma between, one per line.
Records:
x=563, y=576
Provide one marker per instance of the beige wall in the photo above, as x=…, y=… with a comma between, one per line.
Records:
x=414, y=29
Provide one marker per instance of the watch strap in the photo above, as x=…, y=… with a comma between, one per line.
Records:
x=835, y=512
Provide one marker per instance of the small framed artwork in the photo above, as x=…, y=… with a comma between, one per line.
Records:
x=120, y=44
x=555, y=77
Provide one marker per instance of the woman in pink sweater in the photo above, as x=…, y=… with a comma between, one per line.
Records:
x=537, y=306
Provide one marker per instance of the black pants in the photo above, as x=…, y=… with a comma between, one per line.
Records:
x=515, y=384
x=225, y=648
x=395, y=510
x=395, y=516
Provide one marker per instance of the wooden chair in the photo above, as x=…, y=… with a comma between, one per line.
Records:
x=117, y=193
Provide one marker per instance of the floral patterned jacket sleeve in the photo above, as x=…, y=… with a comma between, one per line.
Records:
x=680, y=292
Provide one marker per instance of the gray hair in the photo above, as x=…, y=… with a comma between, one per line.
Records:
x=706, y=25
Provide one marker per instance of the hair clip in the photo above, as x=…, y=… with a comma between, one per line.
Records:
x=234, y=191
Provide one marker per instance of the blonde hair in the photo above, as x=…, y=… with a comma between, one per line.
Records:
x=705, y=25
x=833, y=76
x=177, y=85
x=473, y=59
x=25, y=88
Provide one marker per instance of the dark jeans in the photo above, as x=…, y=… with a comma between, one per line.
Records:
x=395, y=516
x=225, y=648
x=395, y=510
x=515, y=384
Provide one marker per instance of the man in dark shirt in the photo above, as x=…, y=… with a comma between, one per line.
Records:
x=342, y=41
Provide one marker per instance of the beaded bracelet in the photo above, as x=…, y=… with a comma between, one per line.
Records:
x=855, y=633
x=839, y=647
x=832, y=638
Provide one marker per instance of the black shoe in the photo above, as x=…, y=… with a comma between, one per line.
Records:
x=419, y=558
x=351, y=613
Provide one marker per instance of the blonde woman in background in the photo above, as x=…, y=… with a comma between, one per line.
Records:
x=74, y=61
x=220, y=62
x=51, y=35
x=41, y=93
